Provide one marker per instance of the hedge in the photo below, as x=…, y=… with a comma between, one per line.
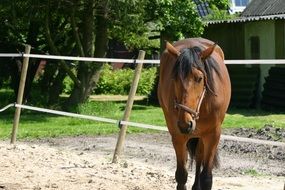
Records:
x=119, y=81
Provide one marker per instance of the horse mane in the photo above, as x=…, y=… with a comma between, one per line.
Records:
x=190, y=58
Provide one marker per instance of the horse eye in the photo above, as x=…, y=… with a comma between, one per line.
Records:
x=199, y=79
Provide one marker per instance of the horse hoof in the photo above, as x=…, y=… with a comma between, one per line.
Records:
x=181, y=187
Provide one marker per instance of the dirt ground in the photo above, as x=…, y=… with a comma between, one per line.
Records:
x=84, y=163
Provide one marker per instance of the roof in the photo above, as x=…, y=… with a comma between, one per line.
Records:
x=259, y=10
x=247, y=19
x=264, y=8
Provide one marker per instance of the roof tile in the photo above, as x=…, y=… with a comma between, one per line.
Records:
x=264, y=8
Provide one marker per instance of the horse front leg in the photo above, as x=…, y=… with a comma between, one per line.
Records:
x=210, y=160
x=198, y=160
x=181, y=173
x=196, y=185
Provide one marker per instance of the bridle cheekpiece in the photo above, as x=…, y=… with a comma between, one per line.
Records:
x=194, y=112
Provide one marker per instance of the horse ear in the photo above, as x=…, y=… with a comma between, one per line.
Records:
x=172, y=50
x=207, y=52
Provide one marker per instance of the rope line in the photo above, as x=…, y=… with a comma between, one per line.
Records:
x=255, y=61
x=255, y=141
x=73, y=58
x=145, y=126
x=44, y=110
x=134, y=124
x=89, y=117
x=6, y=107
x=11, y=55
x=146, y=61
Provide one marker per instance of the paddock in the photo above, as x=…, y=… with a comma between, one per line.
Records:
x=124, y=122
x=85, y=162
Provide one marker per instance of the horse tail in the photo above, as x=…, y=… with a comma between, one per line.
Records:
x=192, y=149
x=216, y=162
x=192, y=146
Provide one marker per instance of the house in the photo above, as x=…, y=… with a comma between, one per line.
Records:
x=259, y=33
x=237, y=6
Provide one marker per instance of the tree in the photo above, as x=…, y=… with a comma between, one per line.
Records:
x=83, y=28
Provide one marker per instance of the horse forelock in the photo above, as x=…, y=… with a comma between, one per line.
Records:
x=189, y=59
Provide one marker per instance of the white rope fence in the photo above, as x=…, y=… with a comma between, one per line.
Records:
x=73, y=58
x=113, y=60
x=6, y=107
x=134, y=124
x=122, y=123
x=94, y=118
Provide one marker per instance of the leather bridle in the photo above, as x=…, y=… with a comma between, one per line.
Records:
x=194, y=112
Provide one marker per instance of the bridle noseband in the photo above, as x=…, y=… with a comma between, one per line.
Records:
x=194, y=113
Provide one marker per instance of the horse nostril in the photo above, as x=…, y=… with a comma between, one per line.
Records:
x=186, y=128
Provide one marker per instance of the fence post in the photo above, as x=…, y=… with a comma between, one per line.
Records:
x=129, y=105
x=20, y=93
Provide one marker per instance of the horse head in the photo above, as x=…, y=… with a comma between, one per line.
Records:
x=190, y=75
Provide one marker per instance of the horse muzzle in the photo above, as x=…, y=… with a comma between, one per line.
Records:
x=186, y=127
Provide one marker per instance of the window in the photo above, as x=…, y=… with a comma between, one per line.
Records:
x=241, y=3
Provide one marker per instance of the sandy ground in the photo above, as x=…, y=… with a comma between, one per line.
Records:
x=84, y=163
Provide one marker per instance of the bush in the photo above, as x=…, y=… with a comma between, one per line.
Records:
x=68, y=85
x=119, y=81
x=7, y=96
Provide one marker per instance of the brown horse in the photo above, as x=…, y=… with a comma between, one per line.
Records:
x=194, y=92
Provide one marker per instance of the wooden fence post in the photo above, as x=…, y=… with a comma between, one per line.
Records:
x=129, y=105
x=20, y=94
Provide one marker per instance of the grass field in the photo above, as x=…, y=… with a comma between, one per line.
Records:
x=38, y=125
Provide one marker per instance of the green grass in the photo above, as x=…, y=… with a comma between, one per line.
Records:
x=252, y=172
x=247, y=118
x=38, y=125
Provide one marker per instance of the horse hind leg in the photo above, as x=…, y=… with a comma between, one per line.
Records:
x=195, y=152
x=205, y=155
x=196, y=185
x=206, y=179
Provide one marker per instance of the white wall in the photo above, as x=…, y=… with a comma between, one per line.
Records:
x=265, y=30
x=236, y=9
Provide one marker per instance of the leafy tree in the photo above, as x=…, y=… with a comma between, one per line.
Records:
x=219, y=10
x=83, y=28
x=176, y=18
x=220, y=4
